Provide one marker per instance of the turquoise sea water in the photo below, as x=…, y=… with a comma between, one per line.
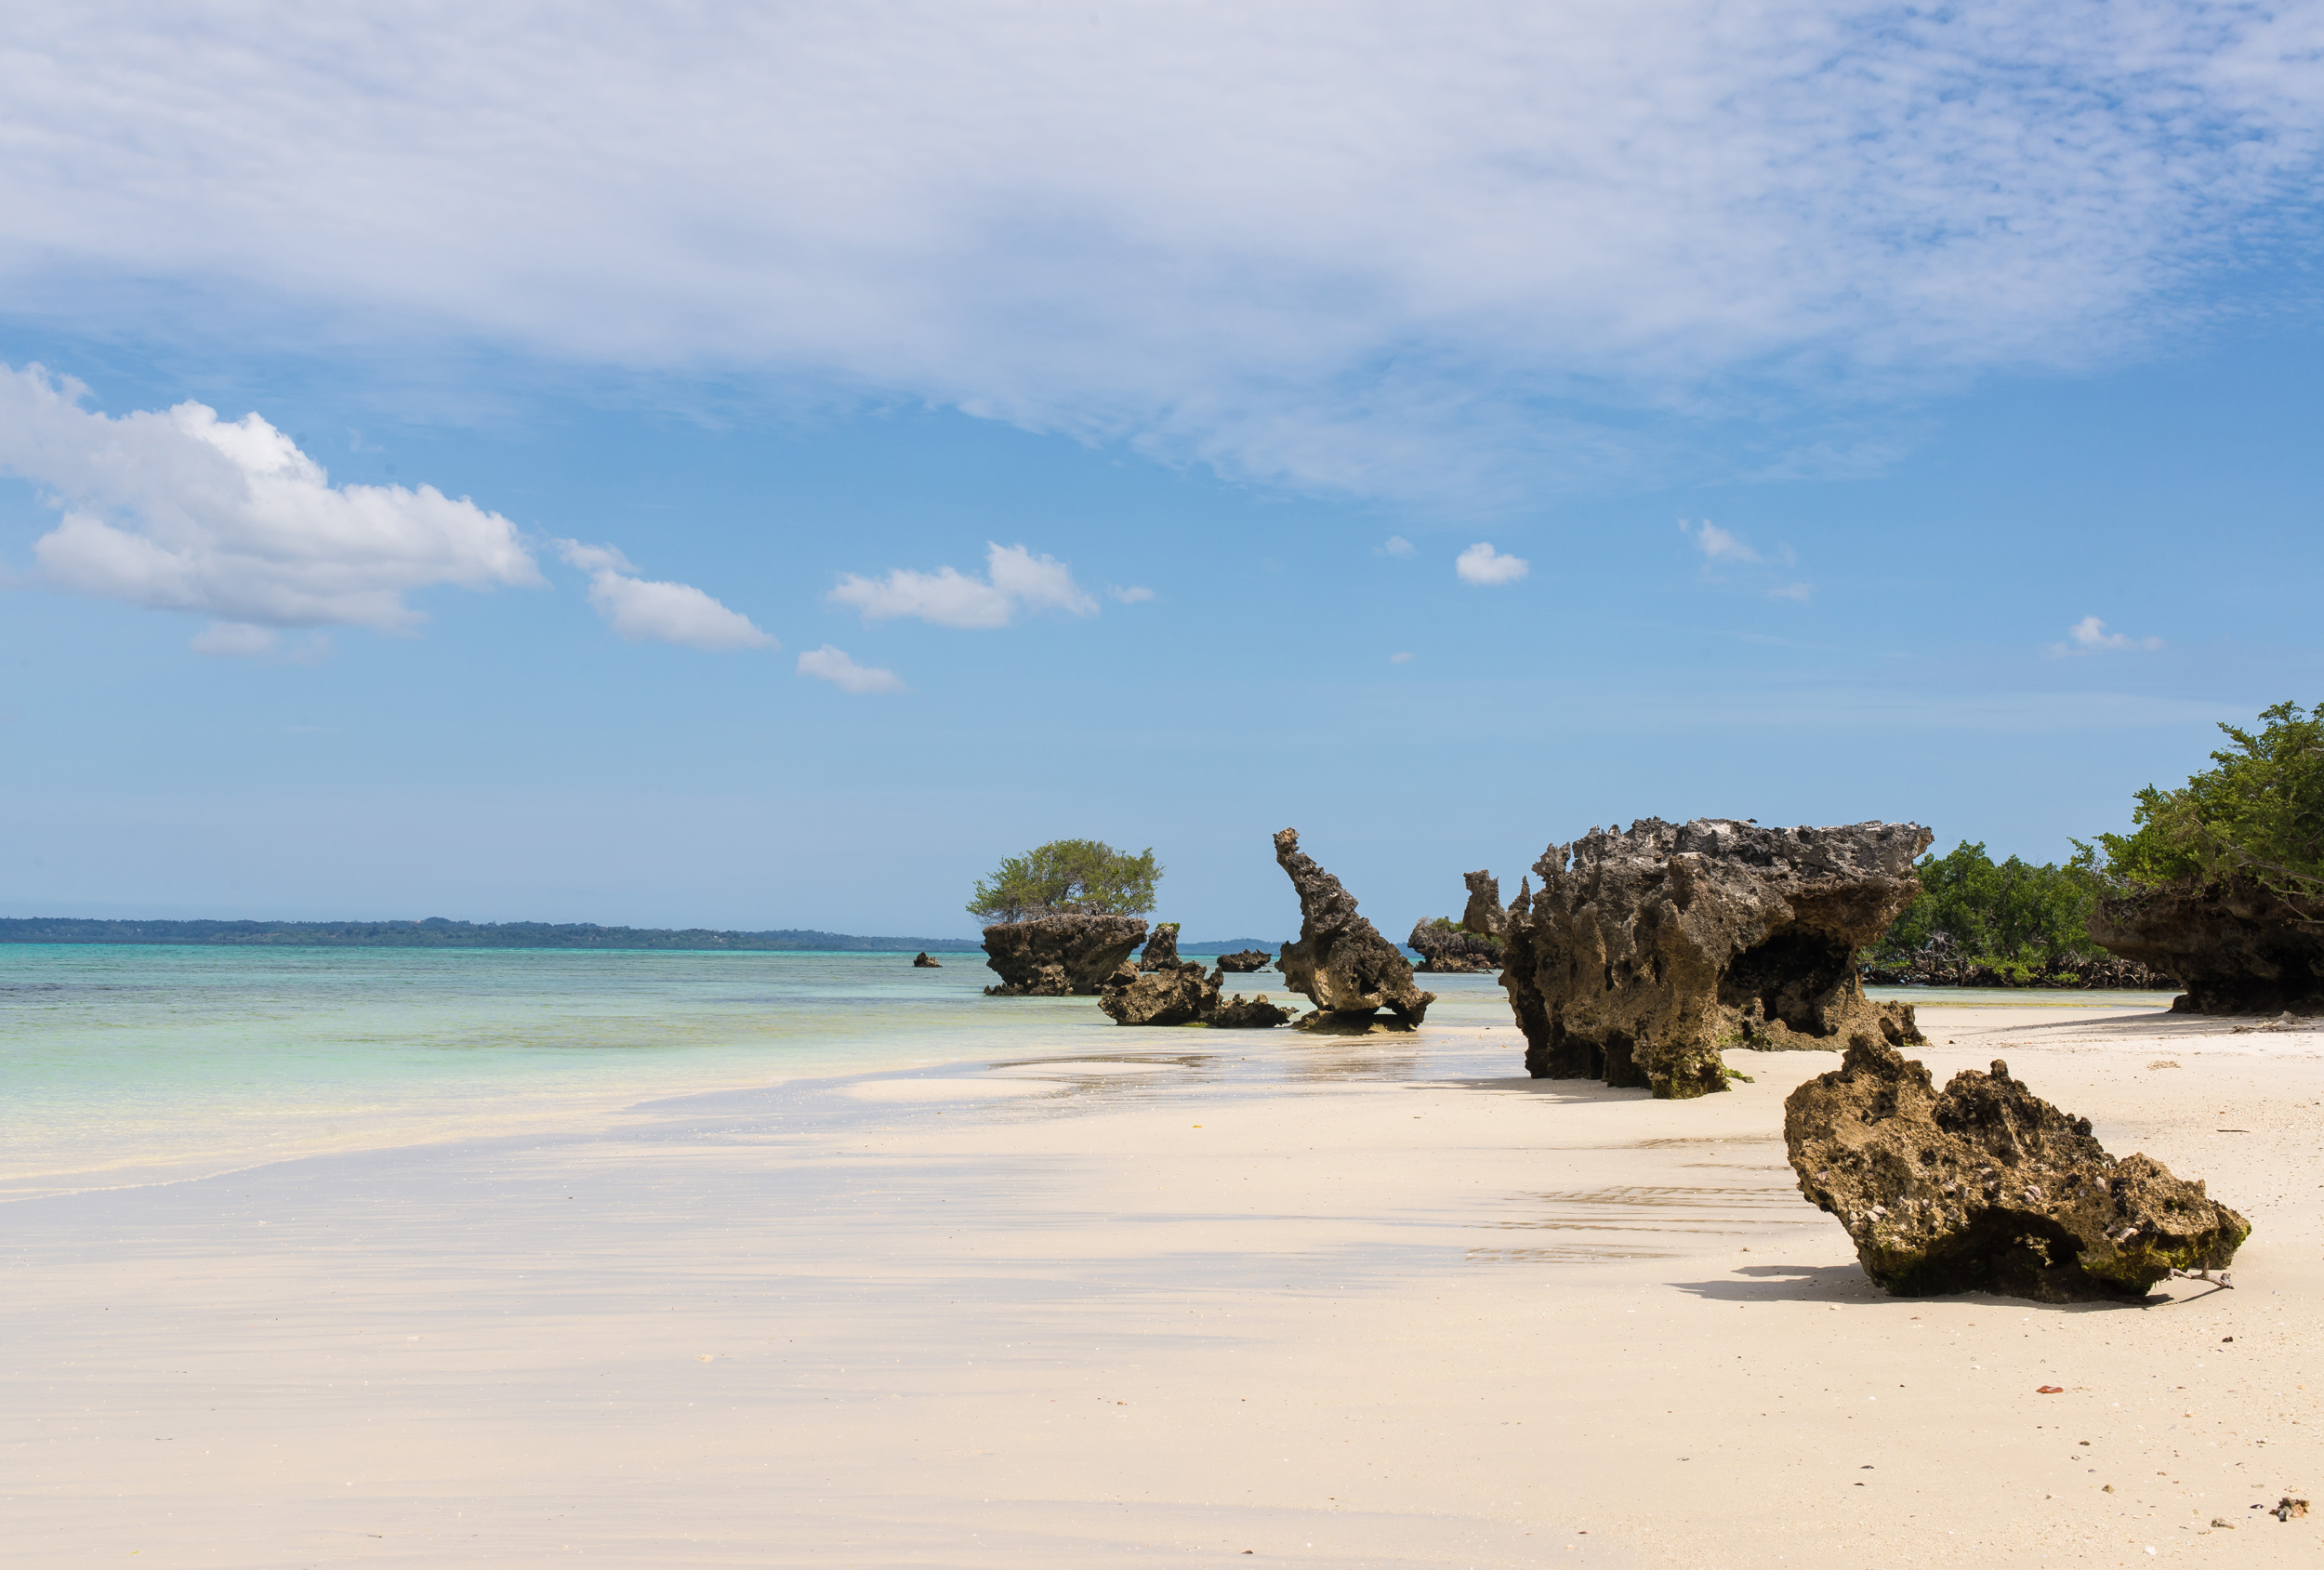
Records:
x=130, y=1063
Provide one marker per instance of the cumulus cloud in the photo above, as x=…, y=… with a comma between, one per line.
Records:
x=1014, y=580
x=1481, y=564
x=1134, y=595
x=636, y=607
x=1396, y=545
x=177, y=509
x=2090, y=636
x=831, y=664
x=1717, y=544
x=1379, y=247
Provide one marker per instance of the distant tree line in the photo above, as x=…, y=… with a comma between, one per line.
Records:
x=437, y=932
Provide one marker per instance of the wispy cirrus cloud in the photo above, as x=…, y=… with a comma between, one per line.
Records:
x=1015, y=580
x=1340, y=253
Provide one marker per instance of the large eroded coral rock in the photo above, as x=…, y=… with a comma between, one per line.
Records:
x=1646, y=951
x=1989, y=1188
x=1339, y=960
x=2238, y=948
x=1483, y=913
x=1059, y=956
x=1447, y=950
x=1181, y=995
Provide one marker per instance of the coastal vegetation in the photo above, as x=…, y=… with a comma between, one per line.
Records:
x=2257, y=815
x=2016, y=917
x=1068, y=877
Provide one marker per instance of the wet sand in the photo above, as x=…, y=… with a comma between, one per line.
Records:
x=1193, y=1298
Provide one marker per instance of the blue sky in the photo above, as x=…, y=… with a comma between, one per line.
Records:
x=758, y=469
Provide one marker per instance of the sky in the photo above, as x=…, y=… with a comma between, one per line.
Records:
x=758, y=466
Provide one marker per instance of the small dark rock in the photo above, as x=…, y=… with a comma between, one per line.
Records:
x=921, y=962
x=1245, y=960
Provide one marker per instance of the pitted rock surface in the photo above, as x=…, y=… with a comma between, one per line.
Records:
x=1059, y=956
x=1988, y=1188
x=1448, y=951
x=1183, y=995
x=1339, y=960
x=1484, y=912
x=1245, y=960
x=1647, y=951
x=1161, y=951
x=2238, y=948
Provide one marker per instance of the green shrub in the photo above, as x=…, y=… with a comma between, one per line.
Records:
x=2000, y=912
x=2259, y=815
x=1085, y=875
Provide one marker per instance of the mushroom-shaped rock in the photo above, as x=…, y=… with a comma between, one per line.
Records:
x=1988, y=1188
x=1339, y=960
x=1647, y=951
x=1067, y=956
x=2239, y=948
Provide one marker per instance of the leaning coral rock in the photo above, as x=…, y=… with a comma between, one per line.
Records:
x=1988, y=1188
x=2239, y=948
x=1059, y=956
x=1179, y=996
x=1339, y=960
x=1161, y=951
x=1658, y=946
x=1245, y=960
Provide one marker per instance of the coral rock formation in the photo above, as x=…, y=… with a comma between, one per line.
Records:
x=1184, y=994
x=1245, y=960
x=1067, y=956
x=2236, y=947
x=921, y=962
x=1339, y=960
x=1988, y=1188
x=1447, y=950
x=1646, y=951
x=1483, y=913
x=1161, y=951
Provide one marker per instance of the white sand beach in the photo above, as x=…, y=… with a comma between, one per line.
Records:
x=1195, y=1298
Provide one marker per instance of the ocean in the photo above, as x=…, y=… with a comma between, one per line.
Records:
x=131, y=1063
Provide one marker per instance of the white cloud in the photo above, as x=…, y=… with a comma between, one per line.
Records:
x=236, y=640
x=1801, y=592
x=1015, y=580
x=1396, y=545
x=2090, y=636
x=1404, y=658
x=827, y=664
x=179, y=511
x=1134, y=595
x=1371, y=247
x=1717, y=544
x=1481, y=564
x=637, y=608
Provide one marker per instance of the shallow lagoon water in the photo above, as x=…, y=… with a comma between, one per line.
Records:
x=124, y=1064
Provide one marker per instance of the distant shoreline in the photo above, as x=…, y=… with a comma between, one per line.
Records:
x=437, y=932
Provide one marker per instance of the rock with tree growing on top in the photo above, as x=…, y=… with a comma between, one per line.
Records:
x=1064, y=917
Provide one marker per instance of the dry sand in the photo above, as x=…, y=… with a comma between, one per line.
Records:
x=1197, y=1297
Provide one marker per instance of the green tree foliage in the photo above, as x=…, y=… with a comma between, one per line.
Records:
x=2259, y=815
x=2012, y=910
x=1086, y=876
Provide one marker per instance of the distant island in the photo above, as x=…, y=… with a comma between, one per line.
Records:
x=437, y=932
